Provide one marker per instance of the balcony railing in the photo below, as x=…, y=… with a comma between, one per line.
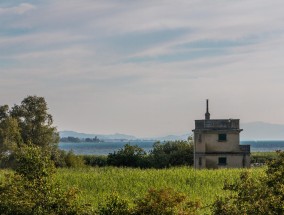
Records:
x=217, y=124
x=245, y=148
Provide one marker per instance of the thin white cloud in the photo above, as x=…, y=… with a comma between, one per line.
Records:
x=79, y=55
x=20, y=9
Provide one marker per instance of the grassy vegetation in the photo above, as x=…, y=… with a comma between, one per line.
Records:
x=262, y=157
x=2, y=173
x=97, y=183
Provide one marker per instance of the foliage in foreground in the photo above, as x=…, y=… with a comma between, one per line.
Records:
x=32, y=188
x=164, y=202
x=261, y=158
x=263, y=195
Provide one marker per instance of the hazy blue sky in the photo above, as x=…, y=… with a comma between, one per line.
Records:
x=144, y=67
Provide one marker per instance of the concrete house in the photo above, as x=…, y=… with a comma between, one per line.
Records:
x=217, y=144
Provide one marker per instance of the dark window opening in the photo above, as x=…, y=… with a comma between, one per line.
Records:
x=200, y=161
x=199, y=138
x=222, y=161
x=222, y=137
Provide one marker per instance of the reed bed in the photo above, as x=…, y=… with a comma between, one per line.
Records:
x=96, y=184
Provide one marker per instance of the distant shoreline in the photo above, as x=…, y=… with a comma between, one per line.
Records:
x=104, y=148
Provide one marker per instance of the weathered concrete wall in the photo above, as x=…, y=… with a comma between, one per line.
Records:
x=233, y=161
x=208, y=142
x=213, y=145
x=199, y=142
x=209, y=148
x=197, y=162
x=211, y=161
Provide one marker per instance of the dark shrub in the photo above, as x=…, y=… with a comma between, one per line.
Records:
x=172, y=153
x=74, y=161
x=95, y=160
x=130, y=156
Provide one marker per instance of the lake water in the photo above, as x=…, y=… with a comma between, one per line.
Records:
x=105, y=148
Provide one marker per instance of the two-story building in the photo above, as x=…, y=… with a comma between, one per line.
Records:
x=217, y=144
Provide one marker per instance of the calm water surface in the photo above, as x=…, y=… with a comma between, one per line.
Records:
x=105, y=148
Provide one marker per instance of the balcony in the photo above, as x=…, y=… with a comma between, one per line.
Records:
x=245, y=148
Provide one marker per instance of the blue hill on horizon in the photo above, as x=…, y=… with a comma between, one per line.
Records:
x=251, y=131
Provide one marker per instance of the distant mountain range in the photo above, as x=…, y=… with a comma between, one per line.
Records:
x=118, y=136
x=251, y=131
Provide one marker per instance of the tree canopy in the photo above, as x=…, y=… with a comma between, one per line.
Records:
x=27, y=123
x=251, y=195
x=34, y=123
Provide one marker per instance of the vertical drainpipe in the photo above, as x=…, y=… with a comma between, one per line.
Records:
x=194, y=160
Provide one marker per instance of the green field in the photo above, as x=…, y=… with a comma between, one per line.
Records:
x=97, y=183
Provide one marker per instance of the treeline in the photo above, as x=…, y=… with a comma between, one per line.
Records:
x=163, y=155
x=79, y=140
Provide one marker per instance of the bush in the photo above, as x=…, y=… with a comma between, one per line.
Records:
x=261, y=158
x=249, y=195
x=165, y=202
x=155, y=202
x=95, y=160
x=130, y=156
x=32, y=189
x=114, y=205
x=172, y=153
x=58, y=157
x=74, y=161
x=163, y=155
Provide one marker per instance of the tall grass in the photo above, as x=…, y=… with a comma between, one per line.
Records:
x=97, y=183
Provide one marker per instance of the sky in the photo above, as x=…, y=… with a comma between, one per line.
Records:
x=144, y=68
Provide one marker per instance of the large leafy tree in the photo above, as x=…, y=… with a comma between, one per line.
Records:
x=27, y=123
x=172, y=153
x=10, y=137
x=34, y=121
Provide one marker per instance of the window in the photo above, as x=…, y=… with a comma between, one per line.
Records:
x=222, y=137
x=222, y=161
x=200, y=161
x=199, y=138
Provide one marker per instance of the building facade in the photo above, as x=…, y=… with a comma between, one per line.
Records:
x=217, y=144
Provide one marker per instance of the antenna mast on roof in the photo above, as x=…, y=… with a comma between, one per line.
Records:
x=207, y=114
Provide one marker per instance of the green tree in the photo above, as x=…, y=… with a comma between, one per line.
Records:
x=33, y=190
x=250, y=195
x=74, y=161
x=27, y=123
x=10, y=136
x=131, y=156
x=172, y=153
x=35, y=122
x=10, y=139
